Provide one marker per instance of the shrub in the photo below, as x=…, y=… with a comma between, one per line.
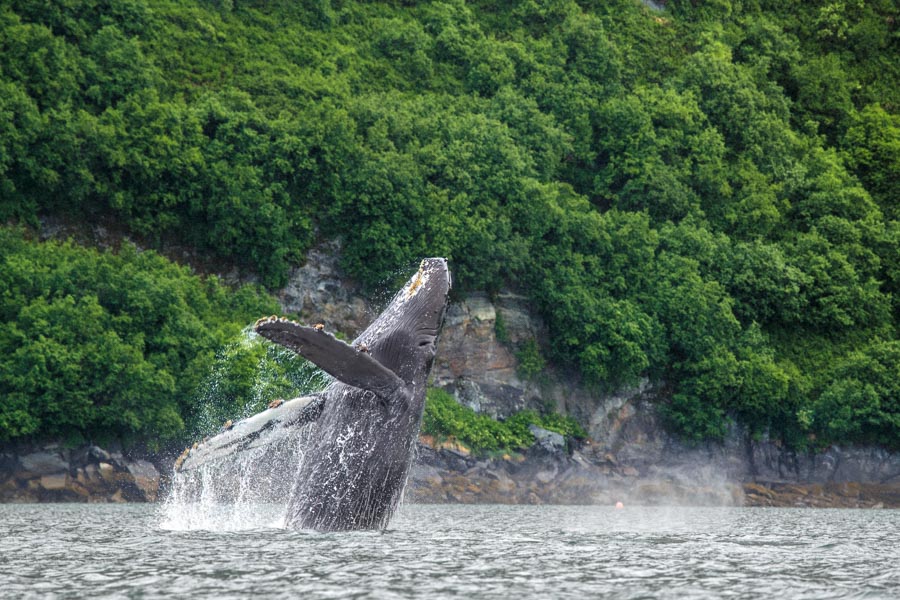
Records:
x=100, y=345
x=445, y=418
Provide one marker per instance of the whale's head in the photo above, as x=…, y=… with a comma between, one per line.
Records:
x=404, y=335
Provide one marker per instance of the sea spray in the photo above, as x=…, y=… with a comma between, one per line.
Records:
x=251, y=488
x=248, y=490
x=248, y=373
x=351, y=471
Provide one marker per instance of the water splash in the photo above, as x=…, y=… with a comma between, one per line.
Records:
x=246, y=490
x=250, y=488
x=248, y=373
x=353, y=473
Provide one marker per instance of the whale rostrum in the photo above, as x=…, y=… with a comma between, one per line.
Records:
x=364, y=424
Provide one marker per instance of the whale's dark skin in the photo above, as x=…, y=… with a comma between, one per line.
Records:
x=355, y=469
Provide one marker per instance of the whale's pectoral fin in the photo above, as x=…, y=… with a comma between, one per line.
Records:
x=265, y=429
x=338, y=359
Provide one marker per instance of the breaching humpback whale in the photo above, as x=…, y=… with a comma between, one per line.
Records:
x=366, y=421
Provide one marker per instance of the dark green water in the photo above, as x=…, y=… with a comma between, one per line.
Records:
x=134, y=551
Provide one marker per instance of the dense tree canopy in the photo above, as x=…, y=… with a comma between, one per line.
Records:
x=704, y=195
x=101, y=345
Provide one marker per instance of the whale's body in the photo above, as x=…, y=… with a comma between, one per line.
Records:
x=356, y=461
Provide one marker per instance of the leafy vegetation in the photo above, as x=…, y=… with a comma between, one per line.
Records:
x=531, y=363
x=98, y=346
x=706, y=196
x=246, y=376
x=446, y=419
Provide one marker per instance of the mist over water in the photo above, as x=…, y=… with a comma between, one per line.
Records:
x=80, y=551
x=220, y=534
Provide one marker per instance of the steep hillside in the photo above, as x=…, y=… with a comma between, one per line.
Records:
x=703, y=195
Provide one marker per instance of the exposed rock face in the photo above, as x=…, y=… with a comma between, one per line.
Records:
x=482, y=371
x=539, y=477
x=88, y=474
x=472, y=363
x=320, y=293
x=629, y=457
x=476, y=361
x=635, y=435
x=475, y=366
x=445, y=476
x=548, y=441
x=42, y=463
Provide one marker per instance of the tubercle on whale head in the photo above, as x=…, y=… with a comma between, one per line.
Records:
x=426, y=295
x=416, y=283
x=427, y=268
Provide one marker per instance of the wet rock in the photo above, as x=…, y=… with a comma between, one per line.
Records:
x=53, y=482
x=145, y=477
x=98, y=454
x=755, y=489
x=107, y=472
x=92, y=473
x=549, y=441
x=562, y=479
x=86, y=474
x=43, y=463
x=545, y=476
x=80, y=490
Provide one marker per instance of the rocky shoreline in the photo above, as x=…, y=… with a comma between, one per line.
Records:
x=446, y=474
x=631, y=458
x=53, y=473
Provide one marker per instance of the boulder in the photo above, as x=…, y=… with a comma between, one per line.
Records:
x=107, y=472
x=98, y=454
x=92, y=473
x=145, y=478
x=57, y=481
x=549, y=441
x=43, y=463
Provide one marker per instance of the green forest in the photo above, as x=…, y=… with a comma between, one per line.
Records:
x=703, y=195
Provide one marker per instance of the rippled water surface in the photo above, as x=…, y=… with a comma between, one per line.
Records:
x=135, y=551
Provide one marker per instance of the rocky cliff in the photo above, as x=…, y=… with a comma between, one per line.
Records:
x=629, y=455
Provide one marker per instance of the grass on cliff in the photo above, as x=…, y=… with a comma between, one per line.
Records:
x=446, y=419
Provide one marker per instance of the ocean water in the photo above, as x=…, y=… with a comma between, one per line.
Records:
x=146, y=551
